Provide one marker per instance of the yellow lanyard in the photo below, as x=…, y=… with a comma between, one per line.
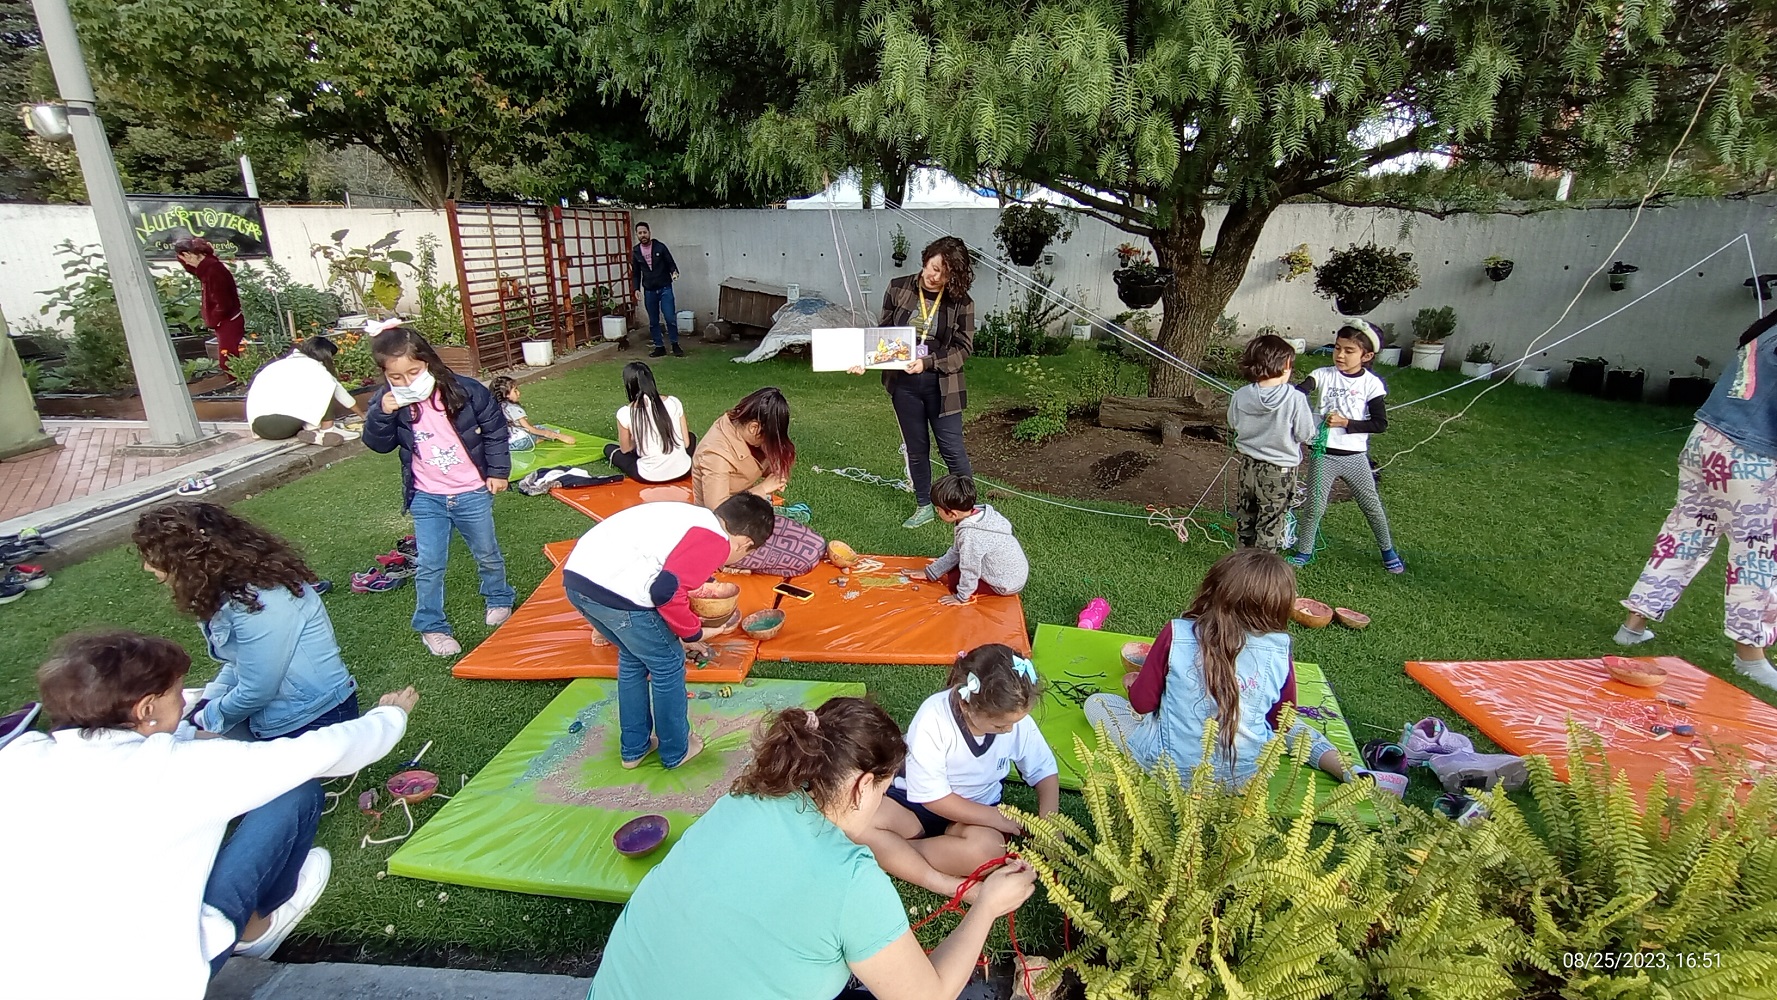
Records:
x=925, y=315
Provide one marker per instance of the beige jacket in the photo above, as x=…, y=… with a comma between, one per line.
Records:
x=724, y=465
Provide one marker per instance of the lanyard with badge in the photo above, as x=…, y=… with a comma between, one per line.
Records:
x=923, y=325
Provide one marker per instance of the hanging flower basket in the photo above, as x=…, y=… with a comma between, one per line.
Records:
x=1359, y=278
x=1026, y=230
x=1357, y=305
x=1140, y=287
x=1619, y=275
x=1498, y=268
x=1025, y=252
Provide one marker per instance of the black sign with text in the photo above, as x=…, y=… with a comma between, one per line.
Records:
x=234, y=226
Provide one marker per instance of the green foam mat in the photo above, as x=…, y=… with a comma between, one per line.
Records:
x=1080, y=660
x=539, y=817
x=586, y=451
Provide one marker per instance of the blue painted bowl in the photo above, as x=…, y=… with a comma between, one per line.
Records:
x=641, y=835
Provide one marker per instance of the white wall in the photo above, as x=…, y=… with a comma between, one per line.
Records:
x=1699, y=314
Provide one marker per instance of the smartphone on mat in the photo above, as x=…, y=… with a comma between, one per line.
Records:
x=791, y=590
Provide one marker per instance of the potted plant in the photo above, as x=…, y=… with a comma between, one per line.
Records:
x=1358, y=278
x=1498, y=268
x=204, y=375
x=1537, y=378
x=1139, y=283
x=1762, y=283
x=899, y=244
x=1587, y=376
x=1431, y=327
x=1388, y=355
x=1025, y=229
x=1625, y=384
x=1296, y=263
x=1691, y=390
x=1618, y=276
x=1480, y=361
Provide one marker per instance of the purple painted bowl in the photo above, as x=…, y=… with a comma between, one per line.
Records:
x=641, y=835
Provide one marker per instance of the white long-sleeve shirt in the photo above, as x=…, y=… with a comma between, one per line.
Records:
x=108, y=841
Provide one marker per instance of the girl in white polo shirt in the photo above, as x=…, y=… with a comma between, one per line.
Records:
x=291, y=396
x=941, y=819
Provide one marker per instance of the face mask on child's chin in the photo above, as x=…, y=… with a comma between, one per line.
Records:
x=417, y=391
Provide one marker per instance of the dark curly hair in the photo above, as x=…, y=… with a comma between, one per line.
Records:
x=817, y=752
x=959, y=263
x=211, y=557
x=93, y=681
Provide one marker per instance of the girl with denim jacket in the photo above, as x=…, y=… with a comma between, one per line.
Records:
x=254, y=598
x=455, y=455
x=1727, y=485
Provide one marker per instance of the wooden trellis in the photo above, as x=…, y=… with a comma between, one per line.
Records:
x=592, y=268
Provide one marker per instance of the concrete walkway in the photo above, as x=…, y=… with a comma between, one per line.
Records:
x=256, y=979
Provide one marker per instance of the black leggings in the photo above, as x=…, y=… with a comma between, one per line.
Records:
x=918, y=402
x=625, y=461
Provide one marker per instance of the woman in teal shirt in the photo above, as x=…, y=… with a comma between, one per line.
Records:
x=767, y=897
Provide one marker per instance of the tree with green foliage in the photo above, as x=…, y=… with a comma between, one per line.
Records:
x=1188, y=122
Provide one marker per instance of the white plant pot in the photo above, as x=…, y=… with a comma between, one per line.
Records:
x=1298, y=344
x=539, y=353
x=1427, y=357
x=1082, y=331
x=792, y=292
x=1477, y=369
x=687, y=321
x=614, y=327
x=1390, y=356
x=1537, y=377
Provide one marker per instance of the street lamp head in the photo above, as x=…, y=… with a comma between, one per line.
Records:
x=49, y=121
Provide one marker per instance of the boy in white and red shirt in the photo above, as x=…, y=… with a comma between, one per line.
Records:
x=630, y=576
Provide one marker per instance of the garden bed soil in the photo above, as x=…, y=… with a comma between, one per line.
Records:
x=1090, y=462
x=229, y=405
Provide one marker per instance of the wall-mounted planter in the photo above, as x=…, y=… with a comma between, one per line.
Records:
x=1499, y=271
x=1763, y=283
x=1140, y=291
x=1618, y=275
x=1625, y=385
x=1357, y=305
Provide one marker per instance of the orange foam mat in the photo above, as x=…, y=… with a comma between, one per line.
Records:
x=600, y=502
x=1523, y=705
x=888, y=622
x=546, y=639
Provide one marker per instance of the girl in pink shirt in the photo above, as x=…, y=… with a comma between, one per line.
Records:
x=452, y=436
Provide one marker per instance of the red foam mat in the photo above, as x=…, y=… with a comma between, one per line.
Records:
x=1523, y=705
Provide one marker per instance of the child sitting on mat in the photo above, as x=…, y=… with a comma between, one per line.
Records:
x=654, y=443
x=630, y=576
x=940, y=820
x=522, y=435
x=984, y=553
x=1353, y=405
x=1227, y=658
x=1271, y=422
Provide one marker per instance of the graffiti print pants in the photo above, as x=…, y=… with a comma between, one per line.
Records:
x=1722, y=489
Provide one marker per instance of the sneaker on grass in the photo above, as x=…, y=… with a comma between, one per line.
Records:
x=441, y=644
x=317, y=868
x=922, y=516
x=196, y=486
x=497, y=616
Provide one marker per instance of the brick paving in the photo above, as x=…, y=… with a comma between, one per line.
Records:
x=87, y=462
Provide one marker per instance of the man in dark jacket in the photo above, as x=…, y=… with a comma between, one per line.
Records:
x=653, y=270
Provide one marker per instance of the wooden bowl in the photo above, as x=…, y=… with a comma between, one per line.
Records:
x=714, y=600
x=1135, y=654
x=1350, y=618
x=763, y=625
x=1310, y=612
x=713, y=627
x=414, y=786
x=1637, y=673
x=641, y=835
x=841, y=554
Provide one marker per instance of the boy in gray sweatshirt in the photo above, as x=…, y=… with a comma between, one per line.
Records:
x=1270, y=425
x=984, y=553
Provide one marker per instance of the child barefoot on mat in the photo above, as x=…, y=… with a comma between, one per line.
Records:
x=522, y=435
x=454, y=458
x=630, y=576
x=940, y=820
x=984, y=552
x=1271, y=422
x=1227, y=658
x=1353, y=406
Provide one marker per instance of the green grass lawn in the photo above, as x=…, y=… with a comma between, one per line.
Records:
x=1522, y=526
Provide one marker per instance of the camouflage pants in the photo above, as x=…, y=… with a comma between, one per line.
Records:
x=1264, y=504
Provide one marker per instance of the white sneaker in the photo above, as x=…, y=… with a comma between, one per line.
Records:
x=1762, y=671
x=497, y=615
x=441, y=644
x=323, y=438
x=316, y=869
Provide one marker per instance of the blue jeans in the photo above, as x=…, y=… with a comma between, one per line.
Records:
x=472, y=515
x=256, y=869
x=345, y=711
x=658, y=300
x=650, y=666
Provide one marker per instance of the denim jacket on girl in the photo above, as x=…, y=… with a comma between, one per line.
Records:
x=1744, y=404
x=281, y=668
x=1176, y=729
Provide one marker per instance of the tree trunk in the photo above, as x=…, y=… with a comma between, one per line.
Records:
x=1200, y=287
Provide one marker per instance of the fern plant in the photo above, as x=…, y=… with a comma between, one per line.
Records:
x=1192, y=891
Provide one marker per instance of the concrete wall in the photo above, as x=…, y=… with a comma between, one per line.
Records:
x=1698, y=314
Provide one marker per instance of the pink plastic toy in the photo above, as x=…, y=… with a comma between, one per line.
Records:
x=1092, y=616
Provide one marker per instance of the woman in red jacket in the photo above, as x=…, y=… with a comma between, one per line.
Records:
x=222, y=300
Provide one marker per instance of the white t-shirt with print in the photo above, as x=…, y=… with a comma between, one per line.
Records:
x=295, y=386
x=515, y=431
x=942, y=759
x=1349, y=396
x=651, y=462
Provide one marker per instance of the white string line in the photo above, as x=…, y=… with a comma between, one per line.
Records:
x=1514, y=364
x=1634, y=221
x=1758, y=297
x=1110, y=325
x=833, y=222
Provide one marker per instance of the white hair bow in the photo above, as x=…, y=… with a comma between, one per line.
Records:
x=376, y=326
x=972, y=685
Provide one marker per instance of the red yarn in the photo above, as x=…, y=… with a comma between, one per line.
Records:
x=955, y=904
